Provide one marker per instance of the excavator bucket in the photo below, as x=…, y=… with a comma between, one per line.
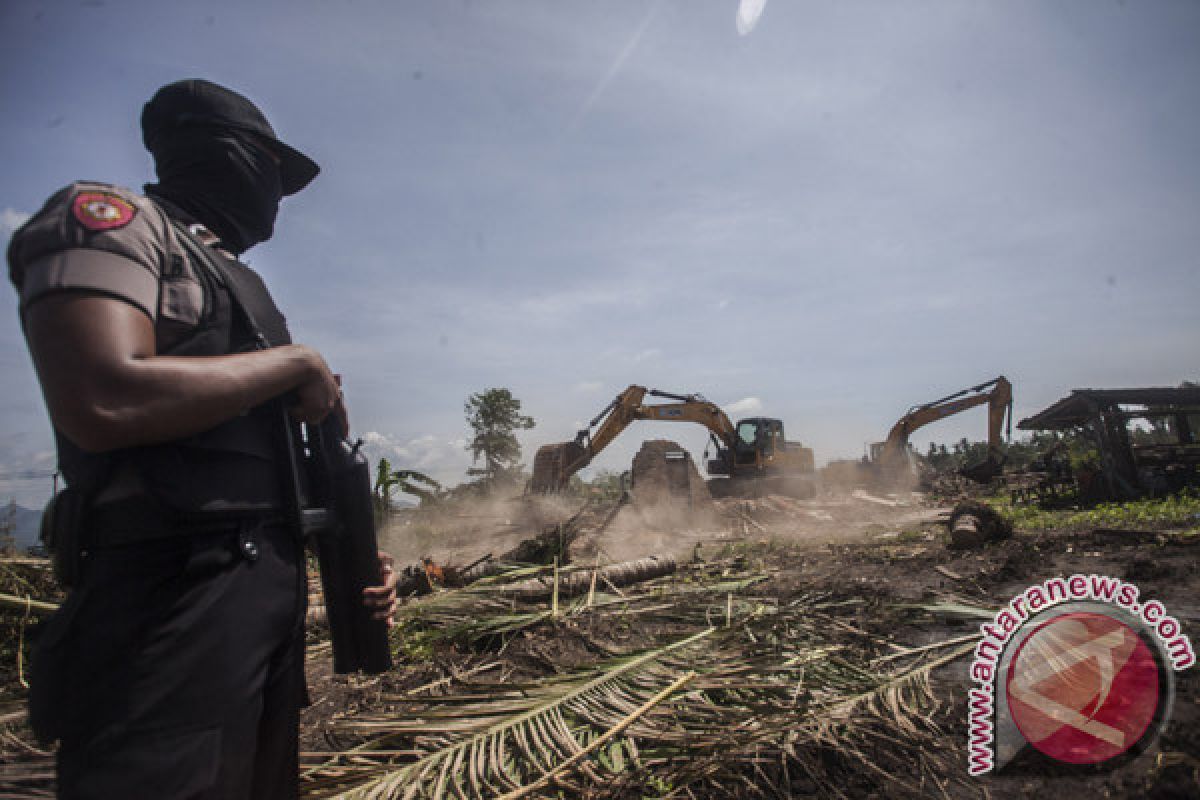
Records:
x=551, y=466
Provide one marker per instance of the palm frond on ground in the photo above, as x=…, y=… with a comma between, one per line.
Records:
x=746, y=693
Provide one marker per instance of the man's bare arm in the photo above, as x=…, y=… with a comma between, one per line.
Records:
x=106, y=388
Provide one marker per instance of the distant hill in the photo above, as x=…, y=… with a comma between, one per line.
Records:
x=26, y=524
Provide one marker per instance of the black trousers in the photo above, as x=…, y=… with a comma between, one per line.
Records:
x=176, y=669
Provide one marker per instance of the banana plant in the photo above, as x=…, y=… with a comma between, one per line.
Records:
x=409, y=481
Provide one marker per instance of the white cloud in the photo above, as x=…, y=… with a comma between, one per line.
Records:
x=11, y=219
x=646, y=355
x=747, y=405
x=442, y=458
x=555, y=306
x=587, y=387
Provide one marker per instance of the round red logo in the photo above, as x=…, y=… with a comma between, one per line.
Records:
x=1083, y=688
x=102, y=211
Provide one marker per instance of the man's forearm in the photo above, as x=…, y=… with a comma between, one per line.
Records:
x=107, y=389
x=161, y=398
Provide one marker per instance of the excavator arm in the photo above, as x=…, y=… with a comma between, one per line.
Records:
x=554, y=464
x=999, y=410
x=997, y=393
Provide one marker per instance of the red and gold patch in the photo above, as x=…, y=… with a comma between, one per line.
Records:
x=102, y=211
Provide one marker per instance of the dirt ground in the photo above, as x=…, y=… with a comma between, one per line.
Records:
x=880, y=555
x=875, y=560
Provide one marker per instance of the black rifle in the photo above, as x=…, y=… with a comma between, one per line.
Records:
x=341, y=520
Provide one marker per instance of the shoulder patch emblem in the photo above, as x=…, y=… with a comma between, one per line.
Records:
x=102, y=211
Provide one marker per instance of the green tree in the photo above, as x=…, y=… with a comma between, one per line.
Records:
x=494, y=415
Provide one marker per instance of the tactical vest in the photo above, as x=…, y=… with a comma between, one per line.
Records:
x=232, y=467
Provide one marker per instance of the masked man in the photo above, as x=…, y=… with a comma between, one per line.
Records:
x=175, y=667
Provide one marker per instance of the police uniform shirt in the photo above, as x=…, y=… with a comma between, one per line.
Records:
x=97, y=238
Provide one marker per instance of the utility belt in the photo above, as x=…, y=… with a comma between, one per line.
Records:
x=139, y=520
x=70, y=528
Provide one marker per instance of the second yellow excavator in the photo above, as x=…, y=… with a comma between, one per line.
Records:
x=891, y=456
x=753, y=455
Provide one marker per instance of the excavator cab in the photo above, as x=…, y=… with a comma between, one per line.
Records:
x=749, y=442
x=757, y=441
x=758, y=438
x=760, y=453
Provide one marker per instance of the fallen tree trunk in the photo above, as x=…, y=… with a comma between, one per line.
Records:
x=974, y=524
x=572, y=583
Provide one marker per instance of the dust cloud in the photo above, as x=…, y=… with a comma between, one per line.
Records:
x=465, y=530
x=668, y=510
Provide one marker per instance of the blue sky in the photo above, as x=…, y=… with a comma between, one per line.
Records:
x=854, y=208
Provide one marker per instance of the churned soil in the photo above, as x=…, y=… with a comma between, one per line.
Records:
x=883, y=561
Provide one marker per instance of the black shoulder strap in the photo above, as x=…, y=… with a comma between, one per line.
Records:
x=205, y=255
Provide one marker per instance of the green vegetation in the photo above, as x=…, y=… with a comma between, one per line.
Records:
x=388, y=481
x=1181, y=510
x=1075, y=445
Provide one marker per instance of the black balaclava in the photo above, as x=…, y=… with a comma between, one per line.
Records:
x=223, y=178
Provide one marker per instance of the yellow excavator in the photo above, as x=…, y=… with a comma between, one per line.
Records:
x=891, y=455
x=753, y=455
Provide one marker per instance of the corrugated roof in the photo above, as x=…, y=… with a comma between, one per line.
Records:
x=1077, y=407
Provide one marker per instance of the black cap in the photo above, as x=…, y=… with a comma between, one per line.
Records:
x=201, y=102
